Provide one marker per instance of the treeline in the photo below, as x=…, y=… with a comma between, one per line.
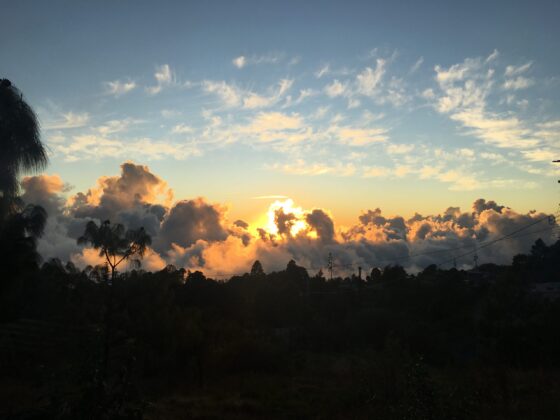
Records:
x=437, y=343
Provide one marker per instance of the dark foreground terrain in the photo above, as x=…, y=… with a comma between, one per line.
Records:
x=442, y=344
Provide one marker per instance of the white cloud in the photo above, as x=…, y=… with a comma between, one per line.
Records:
x=181, y=129
x=397, y=149
x=515, y=70
x=336, y=88
x=95, y=147
x=68, y=120
x=416, y=65
x=118, y=88
x=518, y=83
x=354, y=136
x=239, y=62
x=228, y=94
x=369, y=79
x=304, y=94
x=541, y=155
x=465, y=88
x=116, y=126
x=301, y=167
x=164, y=77
x=324, y=70
x=353, y=103
x=271, y=58
x=253, y=100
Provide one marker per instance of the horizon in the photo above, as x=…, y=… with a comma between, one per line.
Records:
x=374, y=114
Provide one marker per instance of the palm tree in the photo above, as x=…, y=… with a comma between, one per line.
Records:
x=115, y=243
x=20, y=139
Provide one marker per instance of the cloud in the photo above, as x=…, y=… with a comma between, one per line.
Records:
x=164, y=76
x=118, y=88
x=369, y=80
x=464, y=91
x=518, y=83
x=228, y=94
x=116, y=126
x=515, y=70
x=354, y=136
x=253, y=100
x=398, y=149
x=239, y=62
x=197, y=234
x=324, y=70
x=189, y=221
x=416, y=65
x=301, y=167
x=336, y=88
x=182, y=129
x=271, y=58
x=68, y=120
x=95, y=147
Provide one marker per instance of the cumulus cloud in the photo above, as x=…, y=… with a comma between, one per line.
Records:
x=197, y=234
x=189, y=221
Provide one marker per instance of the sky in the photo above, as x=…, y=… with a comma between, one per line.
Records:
x=409, y=107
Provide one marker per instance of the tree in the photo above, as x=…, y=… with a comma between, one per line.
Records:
x=115, y=243
x=375, y=276
x=20, y=139
x=257, y=269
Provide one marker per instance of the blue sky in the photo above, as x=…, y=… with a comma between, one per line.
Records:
x=407, y=106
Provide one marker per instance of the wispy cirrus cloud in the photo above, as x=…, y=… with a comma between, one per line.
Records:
x=232, y=96
x=68, y=120
x=242, y=61
x=118, y=88
x=95, y=147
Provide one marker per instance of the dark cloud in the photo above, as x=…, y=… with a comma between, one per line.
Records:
x=189, y=221
x=481, y=204
x=284, y=221
x=241, y=224
x=321, y=223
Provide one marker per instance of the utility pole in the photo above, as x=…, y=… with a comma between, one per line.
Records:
x=330, y=262
x=360, y=273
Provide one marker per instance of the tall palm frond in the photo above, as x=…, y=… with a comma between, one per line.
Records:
x=20, y=139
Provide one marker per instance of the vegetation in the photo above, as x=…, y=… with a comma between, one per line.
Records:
x=439, y=344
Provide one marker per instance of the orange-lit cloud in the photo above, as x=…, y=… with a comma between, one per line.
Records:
x=196, y=234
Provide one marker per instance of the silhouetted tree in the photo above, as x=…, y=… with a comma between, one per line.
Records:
x=375, y=275
x=20, y=140
x=257, y=269
x=19, y=234
x=115, y=243
x=195, y=278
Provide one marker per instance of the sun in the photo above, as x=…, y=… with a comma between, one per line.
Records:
x=298, y=224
